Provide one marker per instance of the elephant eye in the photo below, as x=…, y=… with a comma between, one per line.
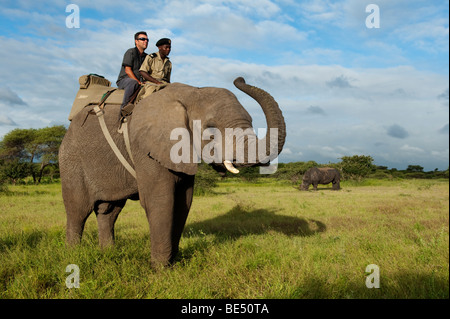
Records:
x=211, y=124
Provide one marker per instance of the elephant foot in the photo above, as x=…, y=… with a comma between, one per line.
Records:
x=159, y=265
x=73, y=242
x=73, y=237
x=162, y=261
x=106, y=243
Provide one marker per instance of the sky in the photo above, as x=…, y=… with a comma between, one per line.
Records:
x=349, y=81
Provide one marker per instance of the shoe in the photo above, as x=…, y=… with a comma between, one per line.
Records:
x=127, y=110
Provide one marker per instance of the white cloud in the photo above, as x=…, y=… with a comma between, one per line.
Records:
x=441, y=154
x=411, y=149
x=7, y=96
x=6, y=121
x=287, y=151
x=428, y=35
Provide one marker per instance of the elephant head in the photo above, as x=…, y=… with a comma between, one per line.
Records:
x=181, y=125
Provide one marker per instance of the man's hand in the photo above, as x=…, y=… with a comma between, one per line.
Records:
x=147, y=77
x=131, y=75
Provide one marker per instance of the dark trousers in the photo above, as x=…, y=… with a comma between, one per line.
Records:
x=130, y=86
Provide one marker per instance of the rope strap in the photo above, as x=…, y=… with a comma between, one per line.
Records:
x=101, y=119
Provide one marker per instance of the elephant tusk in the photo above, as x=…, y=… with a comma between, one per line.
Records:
x=229, y=166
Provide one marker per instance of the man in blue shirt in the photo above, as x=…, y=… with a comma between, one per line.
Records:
x=129, y=77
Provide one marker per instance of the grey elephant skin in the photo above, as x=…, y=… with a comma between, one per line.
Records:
x=93, y=179
x=322, y=175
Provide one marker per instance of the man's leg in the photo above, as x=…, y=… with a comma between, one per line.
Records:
x=130, y=86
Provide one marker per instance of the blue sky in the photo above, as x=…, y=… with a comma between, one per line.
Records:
x=344, y=89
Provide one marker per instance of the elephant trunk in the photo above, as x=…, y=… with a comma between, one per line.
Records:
x=274, y=119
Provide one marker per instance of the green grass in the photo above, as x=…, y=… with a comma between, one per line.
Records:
x=248, y=240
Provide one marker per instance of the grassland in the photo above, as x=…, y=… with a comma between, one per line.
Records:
x=259, y=240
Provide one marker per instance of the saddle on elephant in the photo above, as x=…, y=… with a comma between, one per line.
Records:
x=96, y=90
x=92, y=91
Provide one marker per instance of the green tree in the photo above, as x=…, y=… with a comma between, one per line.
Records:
x=48, y=140
x=205, y=180
x=356, y=166
x=415, y=168
x=32, y=146
x=15, y=171
x=17, y=145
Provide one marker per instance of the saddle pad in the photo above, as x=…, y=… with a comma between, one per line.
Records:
x=93, y=95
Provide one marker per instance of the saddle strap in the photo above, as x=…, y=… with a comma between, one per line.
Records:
x=123, y=129
x=104, y=97
x=111, y=143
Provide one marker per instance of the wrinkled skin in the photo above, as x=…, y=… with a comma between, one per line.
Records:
x=93, y=179
x=323, y=175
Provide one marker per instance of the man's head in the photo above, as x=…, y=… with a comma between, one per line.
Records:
x=164, y=45
x=141, y=40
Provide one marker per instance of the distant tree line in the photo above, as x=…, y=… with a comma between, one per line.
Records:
x=356, y=168
x=30, y=154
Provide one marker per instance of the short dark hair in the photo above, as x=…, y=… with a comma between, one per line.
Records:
x=136, y=36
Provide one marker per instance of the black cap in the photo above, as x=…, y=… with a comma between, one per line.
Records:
x=163, y=41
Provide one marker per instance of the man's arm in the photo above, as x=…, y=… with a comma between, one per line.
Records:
x=148, y=77
x=130, y=74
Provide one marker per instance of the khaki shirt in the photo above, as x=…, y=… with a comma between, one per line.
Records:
x=156, y=67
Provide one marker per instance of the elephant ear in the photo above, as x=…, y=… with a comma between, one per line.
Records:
x=155, y=120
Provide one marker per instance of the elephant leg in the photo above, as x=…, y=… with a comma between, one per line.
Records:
x=183, y=195
x=167, y=208
x=107, y=213
x=166, y=197
x=78, y=209
x=160, y=213
x=75, y=224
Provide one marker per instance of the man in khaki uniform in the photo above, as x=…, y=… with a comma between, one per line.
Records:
x=156, y=69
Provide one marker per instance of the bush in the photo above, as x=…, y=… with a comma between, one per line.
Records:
x=293, y=171
x=3, y=187
x=14, y=171
x=205, y=180
x=381, y=175
x=356, y=167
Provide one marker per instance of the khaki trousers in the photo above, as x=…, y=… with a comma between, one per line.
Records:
x=148, y=89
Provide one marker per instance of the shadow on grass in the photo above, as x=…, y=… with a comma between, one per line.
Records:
x=244, y=221
x=241, y=221
x=324, y=188
x=28, y=239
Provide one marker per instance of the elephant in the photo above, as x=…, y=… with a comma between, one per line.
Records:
x=321, y=175
x=93, y=178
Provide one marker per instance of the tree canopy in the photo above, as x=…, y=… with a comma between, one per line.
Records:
x=25, y=152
